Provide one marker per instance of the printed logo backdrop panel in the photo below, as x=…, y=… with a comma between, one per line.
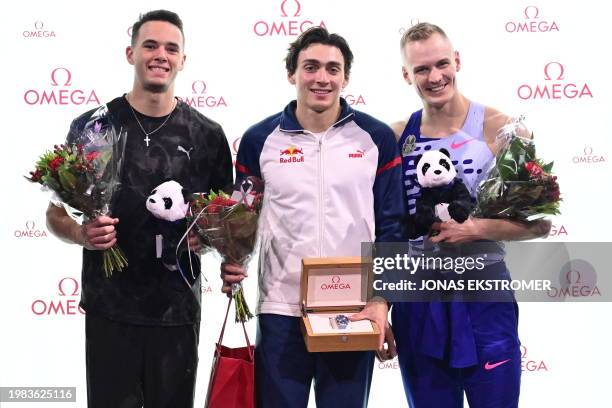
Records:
x=542, y=59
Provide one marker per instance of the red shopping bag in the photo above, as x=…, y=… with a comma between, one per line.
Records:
x=232, y=379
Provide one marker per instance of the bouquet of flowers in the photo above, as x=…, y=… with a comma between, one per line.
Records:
x=519, y=186
x=228, y=224
x=84, y=174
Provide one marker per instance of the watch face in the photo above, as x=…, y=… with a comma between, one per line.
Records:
x=342, y=321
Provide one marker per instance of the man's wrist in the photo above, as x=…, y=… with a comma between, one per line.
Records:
x=380, y=299
x=480, y=228
x=78, y=234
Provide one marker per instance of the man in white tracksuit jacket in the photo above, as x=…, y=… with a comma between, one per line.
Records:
x=332, y=181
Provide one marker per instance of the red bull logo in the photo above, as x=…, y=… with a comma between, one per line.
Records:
x=291, y=151
x=291, y=154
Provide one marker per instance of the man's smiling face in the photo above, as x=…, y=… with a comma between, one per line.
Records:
x=157, y=55
x=431, y=66
x=319, y=77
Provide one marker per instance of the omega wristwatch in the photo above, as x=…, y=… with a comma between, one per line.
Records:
x=340, y=322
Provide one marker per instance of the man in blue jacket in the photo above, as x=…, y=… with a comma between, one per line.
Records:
x=332, y=181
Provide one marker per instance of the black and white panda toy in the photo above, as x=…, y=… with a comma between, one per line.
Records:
x=443, y=195
x=168, y=204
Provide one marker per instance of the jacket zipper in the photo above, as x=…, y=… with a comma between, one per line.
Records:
x=320, y=162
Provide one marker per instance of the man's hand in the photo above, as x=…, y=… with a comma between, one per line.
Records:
x=376, y=310
x=98, y=234
x=452, y=232
x=230, y=274
x=474, y=229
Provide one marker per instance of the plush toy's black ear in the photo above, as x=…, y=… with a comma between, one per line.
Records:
x=186, y=195
x=445, y=152
x=417, y=159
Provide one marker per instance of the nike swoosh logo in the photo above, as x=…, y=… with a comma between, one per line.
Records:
x=458, y=145
x=490, y=366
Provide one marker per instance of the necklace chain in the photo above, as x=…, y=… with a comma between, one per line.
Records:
x=147, y=134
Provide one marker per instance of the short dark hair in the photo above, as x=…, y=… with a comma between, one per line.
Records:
x=317, y=35
x=157, y=15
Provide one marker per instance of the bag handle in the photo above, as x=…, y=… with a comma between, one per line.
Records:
x=246, y=336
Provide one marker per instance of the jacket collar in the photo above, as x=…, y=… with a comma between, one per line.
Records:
x=290, y=124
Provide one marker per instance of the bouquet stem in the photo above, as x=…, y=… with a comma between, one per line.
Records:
x=113, y=260
x=243, y=314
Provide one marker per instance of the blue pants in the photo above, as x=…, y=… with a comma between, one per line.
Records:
x=494, y=382
x=284, y=369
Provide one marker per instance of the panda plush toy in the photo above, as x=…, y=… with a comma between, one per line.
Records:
x=443, y=195
x=168, y=204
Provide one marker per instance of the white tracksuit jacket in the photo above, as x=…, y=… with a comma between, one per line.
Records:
x=325, y=194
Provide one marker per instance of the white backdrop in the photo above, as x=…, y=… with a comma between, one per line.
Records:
x=542, y=58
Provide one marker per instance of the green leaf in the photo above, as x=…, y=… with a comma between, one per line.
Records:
x=530, y=153
x=50, y=181
x=507, y=170
x=548, y=167
x=67, y=179
x=515, y=148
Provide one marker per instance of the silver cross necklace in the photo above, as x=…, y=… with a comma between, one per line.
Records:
x=147, y=134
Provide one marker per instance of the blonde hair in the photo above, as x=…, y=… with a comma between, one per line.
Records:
x=420, y=32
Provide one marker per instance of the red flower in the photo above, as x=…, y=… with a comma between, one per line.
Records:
x=225, y=202
x=213, y=209
x=56, y=162
x=535, y=171
x=91, y=156
x=553, y=193
x=36, y=175
x=217, y=204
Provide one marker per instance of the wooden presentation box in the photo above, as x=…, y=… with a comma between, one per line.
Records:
x=332, y=287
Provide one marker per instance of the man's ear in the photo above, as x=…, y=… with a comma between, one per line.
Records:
x=182, y=65
x=291, y=78
x=457, y=61
x=129, y=54
x=406, y=75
